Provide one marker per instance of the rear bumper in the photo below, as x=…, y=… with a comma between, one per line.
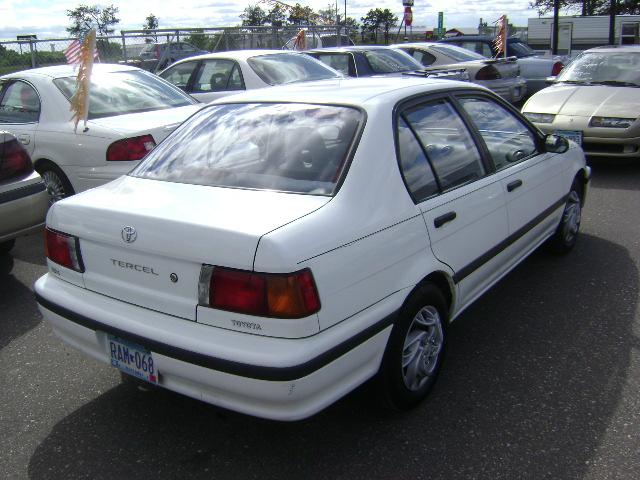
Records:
x=23, y=210
x=280, y=379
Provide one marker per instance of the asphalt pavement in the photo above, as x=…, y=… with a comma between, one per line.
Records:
x=542, y=380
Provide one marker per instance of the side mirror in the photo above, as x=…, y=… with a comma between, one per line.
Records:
x=550, y=80
x=556, y=144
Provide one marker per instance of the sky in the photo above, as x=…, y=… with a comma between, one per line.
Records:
x=47, y=18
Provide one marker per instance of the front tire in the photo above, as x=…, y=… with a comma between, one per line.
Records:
x=415, y=349
x=566, y=235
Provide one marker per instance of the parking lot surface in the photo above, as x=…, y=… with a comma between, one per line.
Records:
x=542, y=380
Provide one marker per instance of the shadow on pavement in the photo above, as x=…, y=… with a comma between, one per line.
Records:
x=531, y=380
x=616, y=174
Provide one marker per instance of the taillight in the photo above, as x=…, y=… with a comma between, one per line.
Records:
x=557, y=68
x=63, y=249
x=288, y=295
x=15, y=161
x=488, y=73
x=134, y=148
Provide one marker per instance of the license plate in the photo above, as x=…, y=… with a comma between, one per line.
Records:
x=132, y=358
x=575, y=135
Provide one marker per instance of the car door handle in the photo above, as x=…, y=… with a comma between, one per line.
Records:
x=513, y=185
x=442, y=219
x=24, y=139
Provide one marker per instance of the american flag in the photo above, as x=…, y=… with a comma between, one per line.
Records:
x=72, y=52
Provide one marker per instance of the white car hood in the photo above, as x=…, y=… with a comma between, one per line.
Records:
x=585, y=101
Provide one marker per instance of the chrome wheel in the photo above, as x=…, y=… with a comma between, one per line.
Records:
x=55, y=186
x=571, y=218
x=422, y=348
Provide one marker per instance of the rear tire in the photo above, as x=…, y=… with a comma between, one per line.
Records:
x=6, y=246
x=415, y=349
x=57, y=183
x=566, y=235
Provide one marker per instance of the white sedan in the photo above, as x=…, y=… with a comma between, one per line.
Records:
x=285, y=245
x=215, y=75
x=130, y=111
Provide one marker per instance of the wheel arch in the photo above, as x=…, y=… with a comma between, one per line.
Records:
x=444, y=283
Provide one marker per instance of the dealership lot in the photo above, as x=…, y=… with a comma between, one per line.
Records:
x=542, y=381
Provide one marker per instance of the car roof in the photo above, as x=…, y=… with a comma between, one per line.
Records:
x=58, y=71
x=349, y=91
x=483, y=38
x=352, y=48
x=236, y=54
x=615, y=48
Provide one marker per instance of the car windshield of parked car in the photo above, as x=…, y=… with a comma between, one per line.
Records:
x=129, y=91
x=391, y=61
x=604, y=68
x=289, y=147
x=521, y=50
x=457, y=53
x=282, y=68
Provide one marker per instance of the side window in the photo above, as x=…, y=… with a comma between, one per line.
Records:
x=236, y=82
x=180, y=74
x=414, y=165
x=507, y=138
x=337, y=61
x=449, y=145
x=19, y=104
x=425, y=58
x=214, y=76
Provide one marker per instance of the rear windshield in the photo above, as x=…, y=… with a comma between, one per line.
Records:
x=288, y=147
x=282, y=68
x=390, y=61
x=118, y=93
x=457, y=53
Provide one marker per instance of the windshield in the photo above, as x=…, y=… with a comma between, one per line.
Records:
x=282, y=68
x=457, y=53
x=289, y=147
x=132, y=91
x=520, y=50
x=612, y=68
x=391, y=61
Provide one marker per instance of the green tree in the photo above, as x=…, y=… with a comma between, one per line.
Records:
x=371, y=24
x=329, y=12
x=300, y=15
x=198, y=39
x=84, y=18
x=588, y=7
x=253, y=16
x=276, y=16
x=150, y=23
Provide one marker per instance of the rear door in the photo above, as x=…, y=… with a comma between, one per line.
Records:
x=462, y=205
x=216, y=78
x=20, y=111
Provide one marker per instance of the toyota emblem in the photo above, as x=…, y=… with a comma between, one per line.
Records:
x=129, y=234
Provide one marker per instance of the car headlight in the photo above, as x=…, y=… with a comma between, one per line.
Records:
x=611, y=122
x=540, y=117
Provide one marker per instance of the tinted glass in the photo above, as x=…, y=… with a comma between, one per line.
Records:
x=609, y=67
x=179, y=74
x=507, y=138
x=19, y=104
x=215, y=75
x=286, y=147
x=425, y=58
x=520, y=50
x=117, y=93
x=448, y=143
x=337, y=61
x=457, y=53
x=390, y=61
x=282, y=68
x=415, y=167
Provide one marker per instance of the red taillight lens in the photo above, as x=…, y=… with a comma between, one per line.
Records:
x=63, y=249
x=289, y=295
x=488, y=73
x=15, y=161
x=134, y=148
x=557, y=68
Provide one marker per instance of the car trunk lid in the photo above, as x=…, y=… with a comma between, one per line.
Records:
x=145, y=241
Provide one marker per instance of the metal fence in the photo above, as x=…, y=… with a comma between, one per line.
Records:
x=172, y=44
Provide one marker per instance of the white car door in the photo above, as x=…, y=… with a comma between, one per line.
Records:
x=463, y=207
x=20, y=111
x=532, y=180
